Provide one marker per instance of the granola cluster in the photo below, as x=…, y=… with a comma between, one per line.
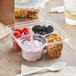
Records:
x=55, y=50
x=24, y=13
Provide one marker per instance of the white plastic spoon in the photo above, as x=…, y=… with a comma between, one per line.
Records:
x=55, y=67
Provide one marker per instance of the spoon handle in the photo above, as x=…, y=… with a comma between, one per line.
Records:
x=28, y=73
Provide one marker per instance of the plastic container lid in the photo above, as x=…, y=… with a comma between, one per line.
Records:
x=30, y=4
x=49, y=21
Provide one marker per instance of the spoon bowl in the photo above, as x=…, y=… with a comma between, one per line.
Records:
x=57, y=66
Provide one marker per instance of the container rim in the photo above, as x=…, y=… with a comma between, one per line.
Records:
x=41, y=20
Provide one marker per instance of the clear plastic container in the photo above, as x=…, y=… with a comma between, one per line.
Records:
x=29, y=8
x=32, y=50
x=55, y=46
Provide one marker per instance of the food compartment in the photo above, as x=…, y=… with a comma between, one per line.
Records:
x=32, y=48
x=54, y=50
x=43, y=29
x=28, y=9
x=19, y=33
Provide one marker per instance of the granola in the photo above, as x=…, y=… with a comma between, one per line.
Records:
x=55, y=50
x=24, y=13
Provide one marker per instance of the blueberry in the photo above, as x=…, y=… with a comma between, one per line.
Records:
x=44, y=33
x=40, y=32
x=44, y=29
x=36, y=28
x=36, y=36
x=50, y=29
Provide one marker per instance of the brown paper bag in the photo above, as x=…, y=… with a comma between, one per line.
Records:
x=7, y=11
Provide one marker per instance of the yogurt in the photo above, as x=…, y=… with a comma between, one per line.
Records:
x=32, y=50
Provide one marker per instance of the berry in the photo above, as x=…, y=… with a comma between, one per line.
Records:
x=50, y=29
x=28, y=36
x=40, y=32
x=18, y=29
x=29, y=13
x=17, y=34
x=25, y=37
x=44, y=29
x=36, y=28
x=25, y=33
x=21, y=35
x=35, y=36
x=25, y=30
x=16, y=46
x=44, y=33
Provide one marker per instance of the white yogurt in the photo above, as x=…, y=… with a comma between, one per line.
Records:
x=32, y=50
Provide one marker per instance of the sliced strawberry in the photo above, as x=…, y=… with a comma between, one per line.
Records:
x=17, y=34
x=26, y=37
x=20, y=30
x=16, y=46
